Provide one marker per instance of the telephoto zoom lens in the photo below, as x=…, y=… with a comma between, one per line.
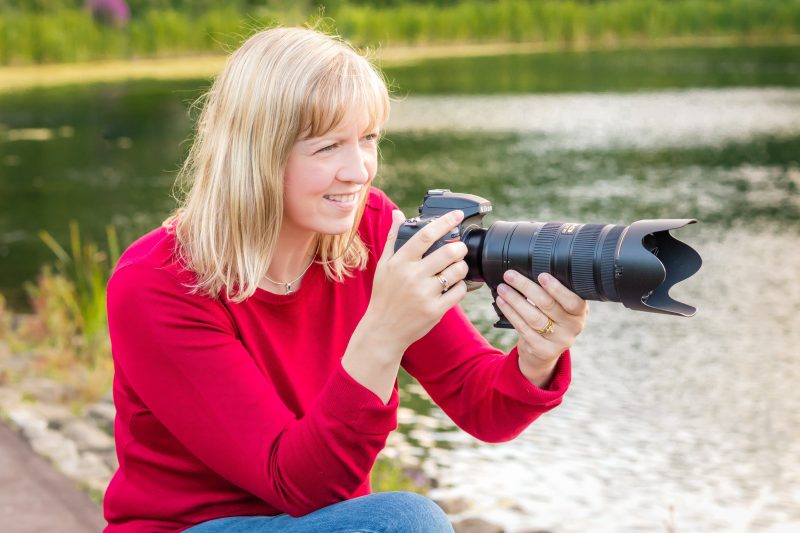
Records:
x=635, y=265
x=580, y=256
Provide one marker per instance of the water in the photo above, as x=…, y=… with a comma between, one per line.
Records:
x=684, y=423
x=100, y=155
x=670, y=424
x=603, y=71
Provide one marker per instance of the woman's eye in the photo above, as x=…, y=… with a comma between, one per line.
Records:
x=371, y=137
x=327, y=148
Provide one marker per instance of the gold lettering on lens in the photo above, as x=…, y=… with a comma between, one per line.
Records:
x=569, y=228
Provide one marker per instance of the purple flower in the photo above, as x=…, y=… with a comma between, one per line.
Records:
x=109, y=11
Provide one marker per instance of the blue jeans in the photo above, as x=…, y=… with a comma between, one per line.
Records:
x=382, y=512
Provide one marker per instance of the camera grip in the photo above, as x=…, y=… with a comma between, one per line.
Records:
x=502, y=321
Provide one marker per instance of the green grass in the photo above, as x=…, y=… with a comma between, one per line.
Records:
x=569, y=22
x=388, y=476
x=70, y=35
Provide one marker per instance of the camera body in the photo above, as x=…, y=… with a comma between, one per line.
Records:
x=438, y=202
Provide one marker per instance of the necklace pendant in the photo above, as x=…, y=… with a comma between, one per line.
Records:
x=289, y=289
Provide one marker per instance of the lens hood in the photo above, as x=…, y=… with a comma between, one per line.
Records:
x=650, y=261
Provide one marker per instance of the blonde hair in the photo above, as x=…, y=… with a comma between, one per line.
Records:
x=282, y=85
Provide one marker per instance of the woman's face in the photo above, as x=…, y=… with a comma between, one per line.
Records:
x=326, y=176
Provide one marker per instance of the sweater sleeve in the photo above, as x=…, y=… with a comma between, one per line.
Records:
x=479, y=387
x=181, y=355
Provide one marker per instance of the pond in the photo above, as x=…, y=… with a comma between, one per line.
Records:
x=689, y=424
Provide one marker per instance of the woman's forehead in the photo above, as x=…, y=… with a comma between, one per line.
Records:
x=323, y=113
x=355, y=121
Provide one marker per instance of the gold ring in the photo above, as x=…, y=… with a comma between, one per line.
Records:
x=548, y=329
x=443, y=281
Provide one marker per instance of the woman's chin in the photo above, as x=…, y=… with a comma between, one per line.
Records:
x=338, y=228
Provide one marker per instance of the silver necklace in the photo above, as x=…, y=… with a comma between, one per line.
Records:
x=288, y=286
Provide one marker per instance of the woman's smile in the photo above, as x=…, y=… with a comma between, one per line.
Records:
x=345, y=202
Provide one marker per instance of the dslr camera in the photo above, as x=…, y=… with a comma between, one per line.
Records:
x=635, y=265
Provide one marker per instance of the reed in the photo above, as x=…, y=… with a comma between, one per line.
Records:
x=86, y=269
x=71, y=35
x=66, y=337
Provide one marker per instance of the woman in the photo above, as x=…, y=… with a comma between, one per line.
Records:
x=258, y=333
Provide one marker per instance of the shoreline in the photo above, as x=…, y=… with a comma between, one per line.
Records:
x=25, y=77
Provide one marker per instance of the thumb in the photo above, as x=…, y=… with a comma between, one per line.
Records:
x=397, y=219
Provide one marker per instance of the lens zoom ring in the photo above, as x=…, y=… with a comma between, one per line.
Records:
x=582, y=264
x=543, y=247
x=609, y=256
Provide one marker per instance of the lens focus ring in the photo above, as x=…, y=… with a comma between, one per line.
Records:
x=607, y=259
x=582, y=264
x=543, y=248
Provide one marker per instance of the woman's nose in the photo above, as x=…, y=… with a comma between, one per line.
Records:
x=355, y=166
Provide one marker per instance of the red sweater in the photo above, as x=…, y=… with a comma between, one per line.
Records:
x=228, y=409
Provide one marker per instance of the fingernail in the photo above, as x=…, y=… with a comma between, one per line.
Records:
x=510, y=275
x=456, y=215
x=545, y=278
x=502, y=289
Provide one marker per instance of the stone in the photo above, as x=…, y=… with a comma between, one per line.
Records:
x=29, y=423
x=58, y=449
x=45, y=390
x=9, y=398
x=88, y=437
x=56, y=415
x=454, y=505
x=110, y=459
x=476, y=525
x=92, y=467
x=103, y=414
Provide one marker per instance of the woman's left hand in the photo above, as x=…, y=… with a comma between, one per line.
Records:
x=548, y=317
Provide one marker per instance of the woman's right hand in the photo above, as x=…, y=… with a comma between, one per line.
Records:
x=407, y=298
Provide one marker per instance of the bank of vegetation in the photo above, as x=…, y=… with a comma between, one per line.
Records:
x=65, y=337
x=57, y=31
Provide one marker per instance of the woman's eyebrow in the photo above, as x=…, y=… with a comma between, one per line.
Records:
x=334, y=136
x=318, y=141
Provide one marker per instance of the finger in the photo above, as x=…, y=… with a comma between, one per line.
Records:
x=569, y=301
x=397, y=219
x=452, y=274
x=566, y=325
x=453, y=295
x=537, y=295
x=538, y=343
x=419, y=243
x=442, y=258
x=532, y=315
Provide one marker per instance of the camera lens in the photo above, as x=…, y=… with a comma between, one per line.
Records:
x=636, y=265
x=581, y=256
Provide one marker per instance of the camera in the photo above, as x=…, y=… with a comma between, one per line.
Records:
x=635, y=265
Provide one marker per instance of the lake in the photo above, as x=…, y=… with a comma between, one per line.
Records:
x=671, y=423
